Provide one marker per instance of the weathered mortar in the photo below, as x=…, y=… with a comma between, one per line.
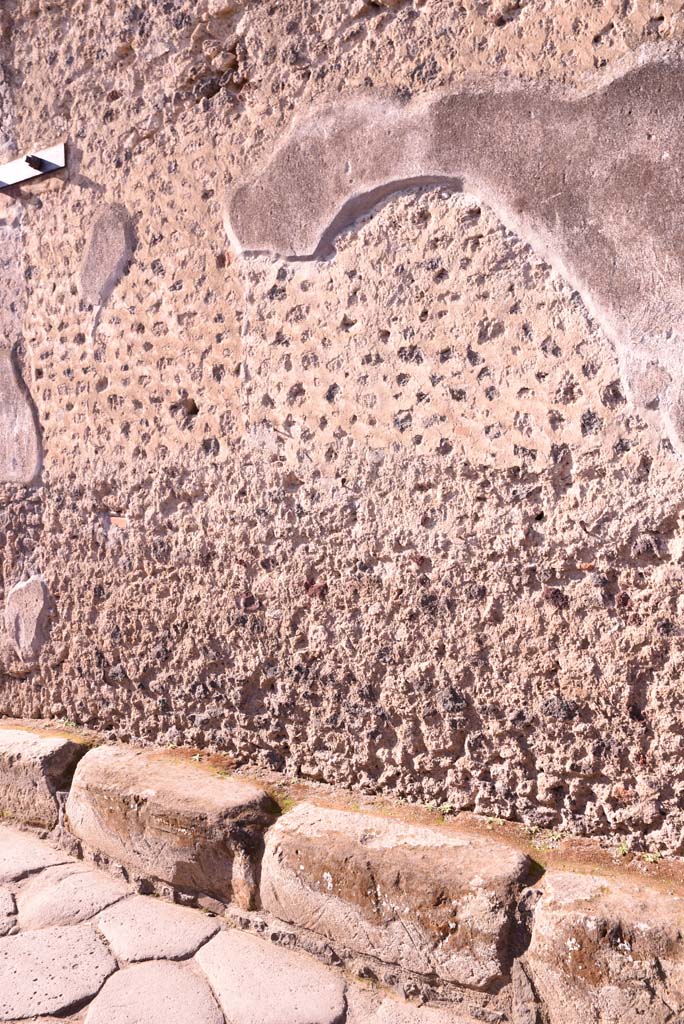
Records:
x=388, y=519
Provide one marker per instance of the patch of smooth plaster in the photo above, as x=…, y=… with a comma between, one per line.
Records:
x=592, y=181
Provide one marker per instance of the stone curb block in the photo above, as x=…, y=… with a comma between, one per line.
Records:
x=427, y=899
x=430, y=900
x=607, y=949
x=33, y=769
x=171, y=821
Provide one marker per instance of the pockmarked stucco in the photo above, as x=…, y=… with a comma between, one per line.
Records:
x=404, y=516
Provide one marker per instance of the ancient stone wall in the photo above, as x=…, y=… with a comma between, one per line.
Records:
x=407, y=517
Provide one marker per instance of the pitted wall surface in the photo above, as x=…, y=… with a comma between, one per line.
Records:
x=398, y=518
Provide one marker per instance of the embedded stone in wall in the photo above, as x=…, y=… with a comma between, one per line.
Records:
x=26, y=612
x=171, y=821
x=19, y=443
x=33, y=769
x=107, y=255
x=607, y=949
x=433, y=900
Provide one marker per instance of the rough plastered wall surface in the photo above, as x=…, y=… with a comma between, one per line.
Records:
x=390, y=519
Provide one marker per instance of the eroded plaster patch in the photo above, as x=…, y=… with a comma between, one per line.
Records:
x=20, y=457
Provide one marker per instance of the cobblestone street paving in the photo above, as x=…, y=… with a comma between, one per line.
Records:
x=79, y=946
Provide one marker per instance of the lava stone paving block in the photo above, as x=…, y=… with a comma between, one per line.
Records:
x=257, y=982
x=156, y=993
x=66, y=894
x=145, y=928
x=51, y=970
x=22, y=854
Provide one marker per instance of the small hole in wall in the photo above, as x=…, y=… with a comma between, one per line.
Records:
x=185, y=410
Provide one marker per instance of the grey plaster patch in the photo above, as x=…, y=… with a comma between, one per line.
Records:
x=20, y=455
x=107, y=255
x=26, y=612
x=592, y=181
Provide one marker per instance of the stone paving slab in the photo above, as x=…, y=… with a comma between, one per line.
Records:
x=51, y=971
x=257, y=982
x=145, y=928
x=155, y=993
x=76, y=1018
x=21, y=854
x=66, y=894
x=392, y=1011
x=33, y=769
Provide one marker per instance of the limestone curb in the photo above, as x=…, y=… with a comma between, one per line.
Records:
x=431, y=900
x=460, y=911
x=34, y=770
x=171, y=821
